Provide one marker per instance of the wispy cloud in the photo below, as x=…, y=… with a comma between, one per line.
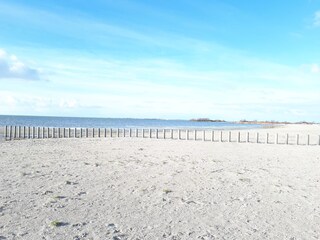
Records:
x=316, y=19
x=12, y=67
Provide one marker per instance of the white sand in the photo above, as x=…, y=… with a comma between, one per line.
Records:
x=159, y=189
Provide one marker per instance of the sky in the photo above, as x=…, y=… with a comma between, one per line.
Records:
x=177, y=59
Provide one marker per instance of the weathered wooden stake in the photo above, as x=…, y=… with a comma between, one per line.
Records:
x=15, y=132
x=10, y=132
x=179, y=134
x=229, y=136
x=308, y=139
x=5, y=132
x=28, y=134
x=257, y=137
x=19, y=132
x=248, y=137
x=195, y=135
x=221, y=136
x=239, y=140
x=204, y=135
x=277, y=141
x=157, y=133
x=297, y=139
x=287, y=139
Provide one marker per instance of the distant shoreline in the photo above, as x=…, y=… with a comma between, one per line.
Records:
x=250, y=122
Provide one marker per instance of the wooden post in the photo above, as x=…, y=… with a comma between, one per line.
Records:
x=319, y=139
x=187, y=134
x=248, y=137
x=137, y=134
x=229, y=136
x=11, y=133
x=179, y=134
x=118, y=132
x=308, y=139
x=130, y=132
x=171, y=132
x=297, y=139
x=204, y=135
x=99, y=132
x=34, y=132
x=164, y=133
x=277, y=141
x=221, y=135
x=69, y=132
x=111, y=132
x=124, y=132
x=6, y=132
x=19, y=130
x=150, y=133
x=257, y=137
x=195, y=135
x=15, y=132
x=239, y=137
x=93, y=133
x=287, y=139
x=42, y=132
x=212, y=136
x=157, y=133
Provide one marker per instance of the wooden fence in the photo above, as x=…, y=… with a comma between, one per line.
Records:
x=27, y=132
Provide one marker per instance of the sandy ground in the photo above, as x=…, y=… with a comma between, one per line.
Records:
x=126, y=188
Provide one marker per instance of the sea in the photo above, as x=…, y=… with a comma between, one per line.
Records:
x=84, y=122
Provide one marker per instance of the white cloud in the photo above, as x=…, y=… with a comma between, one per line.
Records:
x=12, y=67
x=316, y=19
x=315, y=68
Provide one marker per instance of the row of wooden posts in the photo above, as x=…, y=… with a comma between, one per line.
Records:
x=27, y=132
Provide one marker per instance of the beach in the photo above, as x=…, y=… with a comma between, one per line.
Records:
x=141, y=188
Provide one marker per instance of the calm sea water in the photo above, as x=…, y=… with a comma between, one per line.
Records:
x=115, y=123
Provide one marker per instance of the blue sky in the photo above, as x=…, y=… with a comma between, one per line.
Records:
x=161, y=59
